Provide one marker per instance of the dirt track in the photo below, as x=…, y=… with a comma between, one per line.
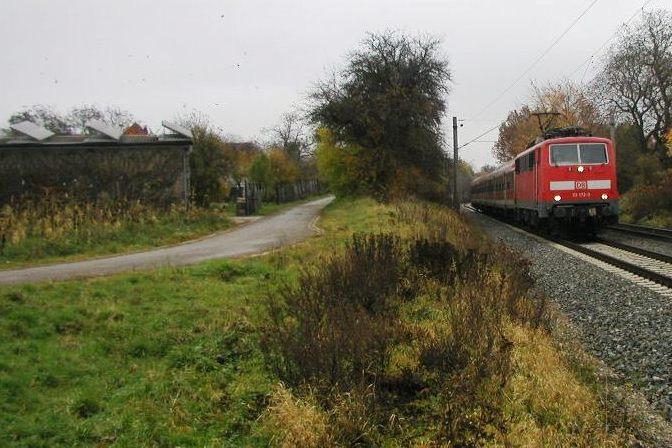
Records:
x=288, y=227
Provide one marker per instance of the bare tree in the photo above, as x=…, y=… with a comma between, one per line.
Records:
x=80, y=115
x=73, y=122
x=635, y=83
x=290, y=134
x=43, y=115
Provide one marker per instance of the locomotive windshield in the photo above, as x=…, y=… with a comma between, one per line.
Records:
x=573, y=154
x=593, y=153
x=564, y=155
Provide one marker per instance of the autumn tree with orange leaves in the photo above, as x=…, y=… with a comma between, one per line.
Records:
x=521, y=128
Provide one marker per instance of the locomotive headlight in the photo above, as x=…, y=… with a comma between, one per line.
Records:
x=557, y=198
x=605, y=196
x=580, y=169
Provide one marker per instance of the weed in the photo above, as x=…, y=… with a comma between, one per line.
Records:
x=86, y=406
x=341, y=330
x=15, y=297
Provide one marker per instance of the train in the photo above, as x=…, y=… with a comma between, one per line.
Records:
x=565, y=180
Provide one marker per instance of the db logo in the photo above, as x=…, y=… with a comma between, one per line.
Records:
x=581, y=185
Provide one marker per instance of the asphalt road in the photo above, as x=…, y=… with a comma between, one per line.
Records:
x=267, y=233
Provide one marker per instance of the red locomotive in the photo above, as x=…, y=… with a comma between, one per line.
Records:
x=568, y=178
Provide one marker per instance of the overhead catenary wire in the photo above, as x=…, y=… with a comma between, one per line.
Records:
x=579, y=67
x=589, y=59
x=536, y=61
x=473, y=140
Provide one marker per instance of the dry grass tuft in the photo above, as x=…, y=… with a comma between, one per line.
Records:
x=548, y=405
x=295, y=422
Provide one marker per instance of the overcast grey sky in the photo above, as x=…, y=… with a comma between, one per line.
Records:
x=245, y=62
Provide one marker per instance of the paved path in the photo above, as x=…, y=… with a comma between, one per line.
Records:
x=288, y=227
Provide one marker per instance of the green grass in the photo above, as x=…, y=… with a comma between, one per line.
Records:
x=163, y=358
x=96, y=241
x=172, y=357
x=167, y=358
x=105, y=239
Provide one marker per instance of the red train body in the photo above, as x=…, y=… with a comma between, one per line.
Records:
x=567, y=180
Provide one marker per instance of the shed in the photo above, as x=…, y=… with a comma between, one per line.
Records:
x=104, y=162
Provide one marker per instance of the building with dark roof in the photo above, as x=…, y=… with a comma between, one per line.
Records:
x=104, y=163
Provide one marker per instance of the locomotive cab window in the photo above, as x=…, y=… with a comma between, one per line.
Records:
x=593, y=153
x=584, y=153
x=564, y=154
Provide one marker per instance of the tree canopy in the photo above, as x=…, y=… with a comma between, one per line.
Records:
x=635, y=83
x=521, y=127
x=388, y=103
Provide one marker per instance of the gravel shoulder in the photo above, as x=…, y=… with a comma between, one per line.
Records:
x=265, y=234
x=625, y=325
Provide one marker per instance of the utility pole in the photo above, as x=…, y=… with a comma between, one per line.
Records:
x=456, y=159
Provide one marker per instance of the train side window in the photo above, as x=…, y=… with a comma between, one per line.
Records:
x=517, y=165
x=530, y=161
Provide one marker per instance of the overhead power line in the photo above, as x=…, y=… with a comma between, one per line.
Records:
x=481, y=135
x=579, y=67
x=604, y=44
x=536, y=61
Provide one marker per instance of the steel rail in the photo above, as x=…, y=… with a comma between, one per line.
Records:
x=649, y=232
x=625, y=265
x=635, y=250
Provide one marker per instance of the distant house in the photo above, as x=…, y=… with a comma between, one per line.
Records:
x=104, y=163
x=136, y=129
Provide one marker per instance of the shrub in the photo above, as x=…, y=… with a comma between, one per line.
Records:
x=345, y=168
x=650, y=203
x=471, y=357
x=211, y=161
x=398, y=315
x=334, y=329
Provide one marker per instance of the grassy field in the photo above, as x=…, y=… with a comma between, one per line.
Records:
x=174, y=358
x=62, y=236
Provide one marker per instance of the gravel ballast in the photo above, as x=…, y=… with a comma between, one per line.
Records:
x=627, y=326
x=662, y=247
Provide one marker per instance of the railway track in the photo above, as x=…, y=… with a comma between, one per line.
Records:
x=648, y=232
x=642, y=264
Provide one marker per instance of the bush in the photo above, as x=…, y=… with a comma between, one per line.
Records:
x=650, y=203
x=345, y=168
x=394, y=317
x=211, y=162
x=333, y=331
